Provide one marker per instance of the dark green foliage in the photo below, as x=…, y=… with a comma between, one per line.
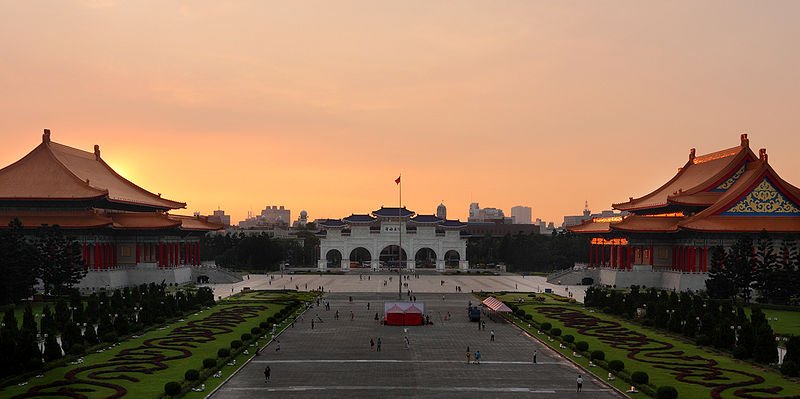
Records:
x=246, y=337
x=528, y=317
x=765, y=349
x=520, y=312
x=255, y=252
x=60, y=262
x=791, y=360
x=582, y=346
x=255, y=331
x=47, y=325
x=77, y=349
x=71, y=336
x=264, y=325
x=109, y=337
x=555, y=332
x=532, y=252
x=598, y=355
x=51, y=349
x=89, y=335
x=209, y=363
x=172, y=388
x=28, y=322
x=235, y=344
x=191, y=375
x=19, y=264
x=666, y=392
x=569, y=338
x=720, y=283
x=223, y=352
x=616, y=365
x=546, y=326
x=640, y=378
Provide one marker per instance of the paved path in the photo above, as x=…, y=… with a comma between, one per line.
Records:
x=427, y=283
x=334, y=359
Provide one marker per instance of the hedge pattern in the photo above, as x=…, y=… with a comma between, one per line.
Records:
x=129, y=364
x=687, y=368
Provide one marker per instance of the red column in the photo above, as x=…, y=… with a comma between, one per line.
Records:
x=652, y=255
x=704, y=265
x=591, y=254
x=630, y=257
x=199, y=258
x=160, y=256
x=138, y=255
x=603, y=255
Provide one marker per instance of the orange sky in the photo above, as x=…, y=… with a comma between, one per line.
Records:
x=319, y=105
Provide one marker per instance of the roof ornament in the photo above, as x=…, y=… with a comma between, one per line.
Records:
x=96, y=152
x=691, y=154
x=745, y=140
x=46, y=136
x=762, y=154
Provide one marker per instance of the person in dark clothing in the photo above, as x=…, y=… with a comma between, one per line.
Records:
x=266, y=374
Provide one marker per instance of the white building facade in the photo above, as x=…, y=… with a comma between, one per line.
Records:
x=373, y=241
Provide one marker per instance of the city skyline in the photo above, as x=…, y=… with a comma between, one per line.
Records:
x=541, y=104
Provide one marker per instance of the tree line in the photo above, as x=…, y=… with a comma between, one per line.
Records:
x=530, y=252
x=47, y=255
x=260, y=252
x=745, y=269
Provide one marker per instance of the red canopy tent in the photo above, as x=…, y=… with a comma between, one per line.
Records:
x=496, y=305
x=403, y=313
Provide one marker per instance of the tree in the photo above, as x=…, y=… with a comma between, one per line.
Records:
x=765, y=277
x=51, y=349
x=765, y=349
x=60, y=262
x=18, y=260
x=741, y=261
x=720, y=283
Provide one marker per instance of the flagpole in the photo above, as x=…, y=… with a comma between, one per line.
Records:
x=400, y=251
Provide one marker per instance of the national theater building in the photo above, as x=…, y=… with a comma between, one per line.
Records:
x=127, y=234
x=713, y=200
x=374, y=241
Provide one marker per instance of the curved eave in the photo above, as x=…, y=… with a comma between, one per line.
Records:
x=745, y=224
x=590, y=227
x=647, y=224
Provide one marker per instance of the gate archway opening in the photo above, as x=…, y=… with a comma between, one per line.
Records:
x=451, y=258
x=425, y=258
x=360, y=257
x=389, y=256
x=334, y=258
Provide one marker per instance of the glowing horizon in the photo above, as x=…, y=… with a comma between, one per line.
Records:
x=319, y=106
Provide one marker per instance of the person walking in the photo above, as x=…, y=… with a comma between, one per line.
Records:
x=278, y=346
x=352, y=316
x=379, y=344
x=267, y=371
x=534, y=357
x=312, y=324
x=367, y=305
x=371, y=344
x=483, y=323
x=491, y=334
x=580, y=382
x=477, y=357
x=469, y=356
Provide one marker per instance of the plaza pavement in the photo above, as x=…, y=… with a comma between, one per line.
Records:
x=426, y=283
x=334, y=360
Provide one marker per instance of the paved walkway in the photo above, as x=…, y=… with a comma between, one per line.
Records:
x=427, y=283
x=334, y=360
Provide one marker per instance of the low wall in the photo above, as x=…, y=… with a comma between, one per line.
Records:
x=143, y=274
x=667, y=280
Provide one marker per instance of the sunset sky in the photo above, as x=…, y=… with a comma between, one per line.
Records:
x=319, y=105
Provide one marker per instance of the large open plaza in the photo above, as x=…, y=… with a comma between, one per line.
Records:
x=335, y=360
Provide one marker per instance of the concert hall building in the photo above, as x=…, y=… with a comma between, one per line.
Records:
x=126, y=233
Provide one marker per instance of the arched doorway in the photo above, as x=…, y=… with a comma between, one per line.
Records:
x=360, y=257
x=451, y=258
x=425, y=258
x=388, y=256
x=334, y=258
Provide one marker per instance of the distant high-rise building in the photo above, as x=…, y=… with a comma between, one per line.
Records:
x=478, y=215
x=441, y=211
x=220, y=217
x=521, y=214
x=270, y=216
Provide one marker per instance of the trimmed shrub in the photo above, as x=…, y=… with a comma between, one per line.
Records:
x=172, y=388
x=640, y=377
x=520, y=312
x=569, y=339
x=77, y=349
x=528, y=317
x=246, y=337
x=667, y=392
x=546, y=326
x=223, y=352
x=235, y=344
x=790, y=368
x=616, y=365
x=109, y=337
x=264, y=325
x=255, y=331
x=598, y=355
x=582, y=346
x=191, y=375
x=209, y=363
x=555, y=332
x=270, y=321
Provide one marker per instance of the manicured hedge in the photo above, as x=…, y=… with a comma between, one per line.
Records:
x=616, y=365
x=172, y=388
x=640, y=378
x=667, y=392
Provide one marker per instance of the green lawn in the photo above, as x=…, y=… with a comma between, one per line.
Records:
x=160, y=354
x=651, y=352
x=783, y=322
